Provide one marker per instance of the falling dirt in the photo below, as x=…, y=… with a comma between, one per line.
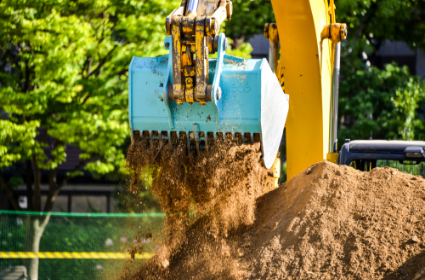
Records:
x=329, y=222
x=207, y=200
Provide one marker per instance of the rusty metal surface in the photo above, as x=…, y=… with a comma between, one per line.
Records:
x=201, y=60
x=207, y=7
x=177, y=49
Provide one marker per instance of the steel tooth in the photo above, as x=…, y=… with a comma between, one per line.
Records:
x=197, y=144
x=183, y=138
x=169, y=139
x=151, y=139
x=228, y=136
x=160, y=140
x=220, y=136
x=211, y=136
x=188, y=142
x=249, y=138
x=206, y=141
x=177, y=139
x=245, y=138
x=136, y=136
x=155, y=138
x=239, y=137
x=165, y=138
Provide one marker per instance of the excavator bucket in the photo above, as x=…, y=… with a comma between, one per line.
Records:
x=247, y=104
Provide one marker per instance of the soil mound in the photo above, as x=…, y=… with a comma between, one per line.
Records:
x=329, y=222
x=334, y=222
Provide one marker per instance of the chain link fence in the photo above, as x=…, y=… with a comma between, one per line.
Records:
x=76, y=246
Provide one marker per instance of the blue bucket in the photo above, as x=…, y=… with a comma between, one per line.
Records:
x=247, y=102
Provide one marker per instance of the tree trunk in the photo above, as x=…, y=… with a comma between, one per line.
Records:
x=238, y=42
x=34, y=231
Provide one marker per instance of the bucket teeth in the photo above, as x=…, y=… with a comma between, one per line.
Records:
x=198, y=141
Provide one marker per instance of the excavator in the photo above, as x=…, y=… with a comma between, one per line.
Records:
x=188, y=96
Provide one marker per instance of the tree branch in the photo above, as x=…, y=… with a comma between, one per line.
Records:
x=29, y=185
x=27, y=77
x=37, y=185
x=45, y=221
x=97, y=69
x=52, y=179
x=44, y=137
x=54, y=189
x=20, y=168
x=9, y=193
x=102, y=61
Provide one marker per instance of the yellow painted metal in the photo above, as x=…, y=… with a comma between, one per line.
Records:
x=307, y=69
x=276, y=168
x=271, y=33
x=279, y=74
x=332, y=157
x=335, y=31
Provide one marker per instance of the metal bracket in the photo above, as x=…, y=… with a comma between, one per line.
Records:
x=216, y=90
x=271, y=33
x=177, y=60
x=163, y=88
x=201, y=61
x=335, y=32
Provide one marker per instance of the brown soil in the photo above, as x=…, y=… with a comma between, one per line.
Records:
x=208, y=199
x=334, y=222
x=329, y=222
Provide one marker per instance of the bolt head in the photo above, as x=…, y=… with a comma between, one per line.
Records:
x=218, y=93
x=226, y=44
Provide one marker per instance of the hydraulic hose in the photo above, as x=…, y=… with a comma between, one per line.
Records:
x=333, y=139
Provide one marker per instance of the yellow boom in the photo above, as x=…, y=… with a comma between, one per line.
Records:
x=307, y=41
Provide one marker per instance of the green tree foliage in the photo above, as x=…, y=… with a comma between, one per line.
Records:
x=379, y=103
x=64, y=81
x=249, y=18
x=384, y=105
x=384, y=19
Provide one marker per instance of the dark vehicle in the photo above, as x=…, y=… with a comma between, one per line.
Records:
x=364, y=155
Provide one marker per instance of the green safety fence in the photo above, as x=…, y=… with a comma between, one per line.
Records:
x=77, y=245
x=409, y=168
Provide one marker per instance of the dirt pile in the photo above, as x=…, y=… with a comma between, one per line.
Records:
x=329, y=222
x=334, y=222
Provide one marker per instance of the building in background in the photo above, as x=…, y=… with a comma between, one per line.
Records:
x=400, y=53
x=83, y=194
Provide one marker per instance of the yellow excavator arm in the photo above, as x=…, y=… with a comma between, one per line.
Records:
x=309, y=39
